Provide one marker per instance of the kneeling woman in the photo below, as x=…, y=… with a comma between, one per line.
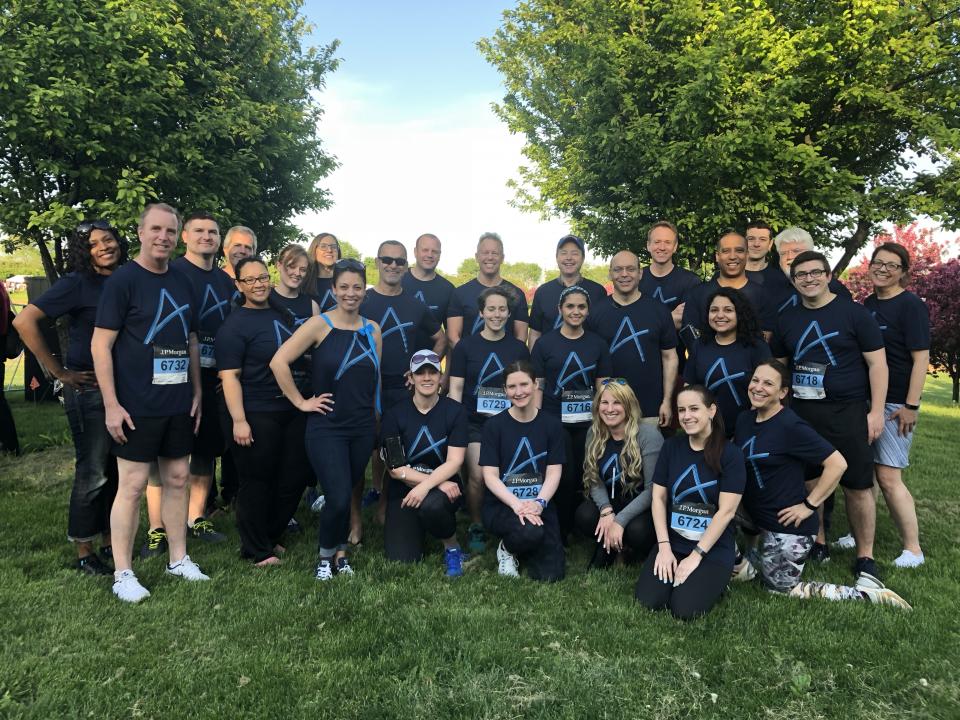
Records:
x=267, y=436
x=618, y=475
x=425, y=493
x=521, y=458
x=698, y=482
x=778, y=445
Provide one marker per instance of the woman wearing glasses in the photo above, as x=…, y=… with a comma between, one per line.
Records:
x=424, y=492
x=342, y=410
x=905, y=323
x=94, y=251
x=522, y=458
x=727, y=352
x=697, y=486
x=568, y=362
x=323, y=253
x=267, y=429
x=621, y=454
x=476, y=381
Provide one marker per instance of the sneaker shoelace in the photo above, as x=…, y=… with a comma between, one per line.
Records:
x=203, y=526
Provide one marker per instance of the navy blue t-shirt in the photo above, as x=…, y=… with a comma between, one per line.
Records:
x=435, y=294
x=301, y=310
x=401, y=317
x=726, y=370
x=905, y=323
x=544, y=315
x=696, y=311
x=824, y=348
x=345, y=363
x=247, y=341
x=770, y=275
x=480, y=362
x=636, y=334
x=425, y=437
x=301, y=306
x=782, y=296
x=688, y=479
x=463, y=304
x=570, y=369
x=154, y=314
x=76, y=295
x=671, y=289
x=213, y=290
x=776, y=452
x=324, y=297
x=521, y=451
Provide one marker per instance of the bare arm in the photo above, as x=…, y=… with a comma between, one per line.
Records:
x=101, y=348
x=454, y=330
x=233, y=396
x=196, y=408
x=308, y=335
x=532, y=337
x=879, y=377
x=27, y=323
x=833, y=468
x=670, y=363
x=439, y=342
x=520, y=330
x=905, y=417
x=455, y=391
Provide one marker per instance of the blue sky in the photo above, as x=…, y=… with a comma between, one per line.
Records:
x=408, y=115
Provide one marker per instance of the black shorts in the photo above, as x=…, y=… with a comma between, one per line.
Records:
x=156, y=437
x=474, y=432
x=209, y=442
x=843, y=425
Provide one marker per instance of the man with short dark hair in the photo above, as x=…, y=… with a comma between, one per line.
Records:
x=423, y=282
x=759, y=237
x=781, y=294
x=834, y=349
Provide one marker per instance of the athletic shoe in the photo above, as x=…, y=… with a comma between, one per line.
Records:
x=106, y=553
x=476, y=538
x=743, y=571
x=453, y=558
x=866, y=566
x=909, y=559
x=203, y=530
x=293, y=526
x=506, y=563
x=318, y=503
x=845, y=543
x=884, y=596
x=187, y=569
x=324, y=570
x=155, y=544
x=819, y=553
x=343, y=567
x=93, y=565
x=371, y=497
x=128, y=588
x=601, y=559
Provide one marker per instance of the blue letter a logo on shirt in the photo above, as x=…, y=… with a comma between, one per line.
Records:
x=697, y=487
x=397, y=326
x=491, y=368
x=477, y=324
x=821, y=339
x=581, y=371
x=329, y=302
x=752, y=456
x=429, y=445
x=160, y=322
x=632, y=335
x=281, y=331
x=530, y=464
x=658, y=293
x=727, y=378
x=351, y=357
x=419, y=296
x=212, y=303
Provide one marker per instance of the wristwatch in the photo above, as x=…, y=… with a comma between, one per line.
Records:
x=543, y=503
x=699, y=550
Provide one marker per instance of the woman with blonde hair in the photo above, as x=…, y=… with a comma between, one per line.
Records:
x=621, y=453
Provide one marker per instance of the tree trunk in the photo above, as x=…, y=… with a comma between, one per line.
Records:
x=852, y=245
x=956, y=388
x=48, y=265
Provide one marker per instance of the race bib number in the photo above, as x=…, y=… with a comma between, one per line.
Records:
x=207, y=357
x=808, y=381
x=170, y=364
x=491, y=401
x=575, y=406
x=524, y=486
x=691, y=520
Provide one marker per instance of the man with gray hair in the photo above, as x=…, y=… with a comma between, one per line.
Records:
x=780, y=291
x=239, y=242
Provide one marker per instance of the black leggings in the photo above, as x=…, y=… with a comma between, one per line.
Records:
x=570, y=491
x=639, y=534
x=538, y=547
x=273, y=472
x=406, y=527
x=697, y=596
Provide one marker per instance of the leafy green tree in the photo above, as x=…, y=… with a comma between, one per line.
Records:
x=205, y=104
x=525, y=275
x=831, y=115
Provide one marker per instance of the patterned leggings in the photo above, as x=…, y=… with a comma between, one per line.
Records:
x=780, y=562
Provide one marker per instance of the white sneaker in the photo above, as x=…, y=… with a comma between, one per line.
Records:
x=744, y=572
x=909, y=559
x=324, y=570
x=187, y=569
x=128, y=588
x=866, y=581
x=845, y=543
x=507, y=563
x=318, y=504
x=884, y=596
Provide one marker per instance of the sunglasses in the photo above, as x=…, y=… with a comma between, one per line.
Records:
x=399, y=262
x=350, y=264
x=88, y=226
x=618, y=381
x=425, y=357
x=251, y=281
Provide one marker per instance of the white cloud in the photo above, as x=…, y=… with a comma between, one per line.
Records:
x=443, y=172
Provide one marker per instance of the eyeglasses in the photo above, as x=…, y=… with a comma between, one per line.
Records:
x=88, y=226
x=812, y=274
x=251, y=281
x=618, y=381
x=425, y=357
x=399, y=262
x=328, y=247
x=878, y=265
x=350, y=264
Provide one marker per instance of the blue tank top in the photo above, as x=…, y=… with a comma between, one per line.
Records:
x=345, y=364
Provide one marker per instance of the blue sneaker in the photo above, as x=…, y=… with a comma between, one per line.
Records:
x=371, y=497
x=453, y=558
x=477, y=539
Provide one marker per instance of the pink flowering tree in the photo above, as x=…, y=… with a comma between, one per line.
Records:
x=925, y=253
x=940, y=289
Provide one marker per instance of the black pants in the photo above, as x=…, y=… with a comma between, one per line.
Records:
x=273, y=472
x=8, y=429
x=95, y=473
x=639, y=534
x=697, y=596
x=570, y=491
x=229, y=478
x=538, y=547
x=405, y=527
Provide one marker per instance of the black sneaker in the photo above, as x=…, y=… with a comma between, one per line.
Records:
x=293, y=526
x=106, y=554
x=203, y=530
x=155, y=544
x=819, y=553
x=866, y=566
x=93, y=565
x=601, y=559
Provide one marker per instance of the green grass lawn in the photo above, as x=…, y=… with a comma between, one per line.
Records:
x=398, y=641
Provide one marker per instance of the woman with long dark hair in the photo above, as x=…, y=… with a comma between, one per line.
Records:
x=323, y=253
x=95, y=249
x=698, y=482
